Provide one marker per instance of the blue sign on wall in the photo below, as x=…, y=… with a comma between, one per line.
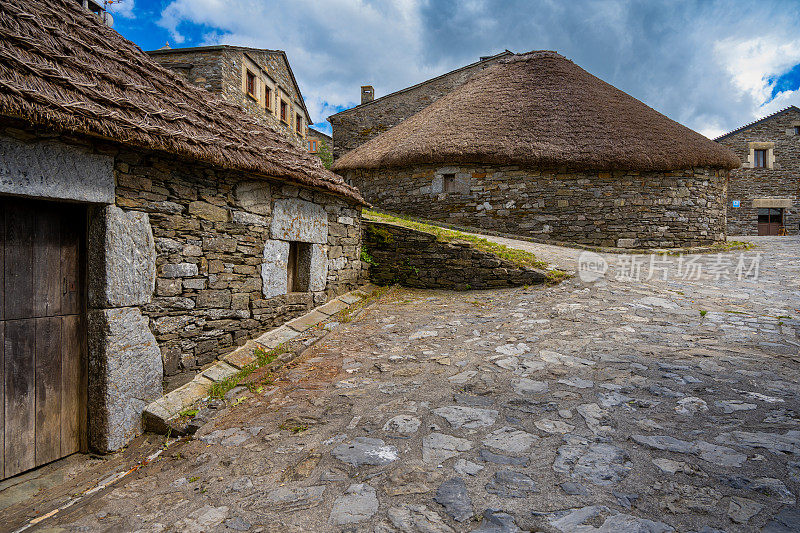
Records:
x=735, y=203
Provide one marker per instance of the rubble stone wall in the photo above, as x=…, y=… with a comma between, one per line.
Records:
x=221, y=72
x=213, y=233
x=781, y=182
x=616, y=209
x=416, y=259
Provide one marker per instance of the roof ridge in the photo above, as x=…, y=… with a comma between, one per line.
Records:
x=489, y=58
x=762, y=119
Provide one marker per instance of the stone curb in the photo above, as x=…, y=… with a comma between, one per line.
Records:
x=158, y=413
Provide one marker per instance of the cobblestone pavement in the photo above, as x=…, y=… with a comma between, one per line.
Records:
x=610, y=406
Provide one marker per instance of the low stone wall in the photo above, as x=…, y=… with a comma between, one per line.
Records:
x=623, y=209
x=416, y=259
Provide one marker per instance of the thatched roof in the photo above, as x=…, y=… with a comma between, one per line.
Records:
x=539, y=109
x=63, y=69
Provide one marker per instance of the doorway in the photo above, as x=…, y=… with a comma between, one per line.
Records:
x=42, y=333
x=770, y=220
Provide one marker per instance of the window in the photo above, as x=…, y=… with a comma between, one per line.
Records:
x=267, y=97
x=770, y=216
x=298, y=269
x=797, y=130
x=284, y=111
x=298, y=123
x=760, y=159
x=312, y=146
x=250, y=83
x=449, y=182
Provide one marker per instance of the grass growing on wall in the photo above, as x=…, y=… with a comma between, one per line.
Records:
x=518, y=257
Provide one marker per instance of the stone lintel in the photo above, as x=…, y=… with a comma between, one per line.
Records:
x=55, y=170
x=784, y=203
x=298, y=220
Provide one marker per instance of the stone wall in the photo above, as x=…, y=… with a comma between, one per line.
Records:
x=781, y=182
x=184, y=261
x=354, y=127
x=416, y=259
x=219, y=241
x=220, y=70
x=624, y=209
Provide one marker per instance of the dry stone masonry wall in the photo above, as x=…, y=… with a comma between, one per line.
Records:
x=623, y=209
x=416, y=259
x=221, y=242
x=778, y=186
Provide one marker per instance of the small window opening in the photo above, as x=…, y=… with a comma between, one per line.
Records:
x=298, y=269
x=251, y=84
x=267, y=97
x=760, y=159
x=797, y=130
x=298, y=123
x=284, y=111
x=449, y=182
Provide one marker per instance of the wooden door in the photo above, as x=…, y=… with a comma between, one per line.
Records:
x=770, y=221
x=42, y=324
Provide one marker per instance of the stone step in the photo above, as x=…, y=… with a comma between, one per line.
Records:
x=158, y=414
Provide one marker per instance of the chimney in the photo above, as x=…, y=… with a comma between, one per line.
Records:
x=367, y=94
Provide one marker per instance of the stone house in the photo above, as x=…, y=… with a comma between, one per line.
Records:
x=147, y=228
x=764, y=193
x=538, y=147
x=260, y=81
x=357, y=125
x=316, y=139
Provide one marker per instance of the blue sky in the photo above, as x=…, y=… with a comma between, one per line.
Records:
x=711, y=65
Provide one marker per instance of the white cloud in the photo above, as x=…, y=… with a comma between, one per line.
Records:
x=123, y=8
x=696, y=62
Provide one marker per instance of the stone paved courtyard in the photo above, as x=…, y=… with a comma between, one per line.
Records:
x=609, y=406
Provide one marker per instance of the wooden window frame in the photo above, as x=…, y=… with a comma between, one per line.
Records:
x=298, y=123
x=284, y=111
x=250, y=84
x=267, y=97
x=763, y=162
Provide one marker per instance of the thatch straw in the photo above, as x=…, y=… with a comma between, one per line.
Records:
x=63, y=69
x=540, y=110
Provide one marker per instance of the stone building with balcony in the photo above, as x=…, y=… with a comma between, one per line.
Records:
x=764, y=193
x=260, y=81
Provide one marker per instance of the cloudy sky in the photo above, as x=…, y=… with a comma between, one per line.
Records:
x=711, y=65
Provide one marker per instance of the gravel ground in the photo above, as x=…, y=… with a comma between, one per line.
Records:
x=621, y=404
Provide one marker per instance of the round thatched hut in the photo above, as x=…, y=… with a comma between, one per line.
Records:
x=536, y=146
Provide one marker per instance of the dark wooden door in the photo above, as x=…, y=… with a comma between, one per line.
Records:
x=770, y=221
x=42, y=324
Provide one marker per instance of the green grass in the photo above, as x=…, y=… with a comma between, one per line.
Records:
x=346, y=315
x=263, y=358
x=518, y=257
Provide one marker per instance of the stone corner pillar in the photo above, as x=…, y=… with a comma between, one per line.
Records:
x=125, y=375
x=125, y=364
